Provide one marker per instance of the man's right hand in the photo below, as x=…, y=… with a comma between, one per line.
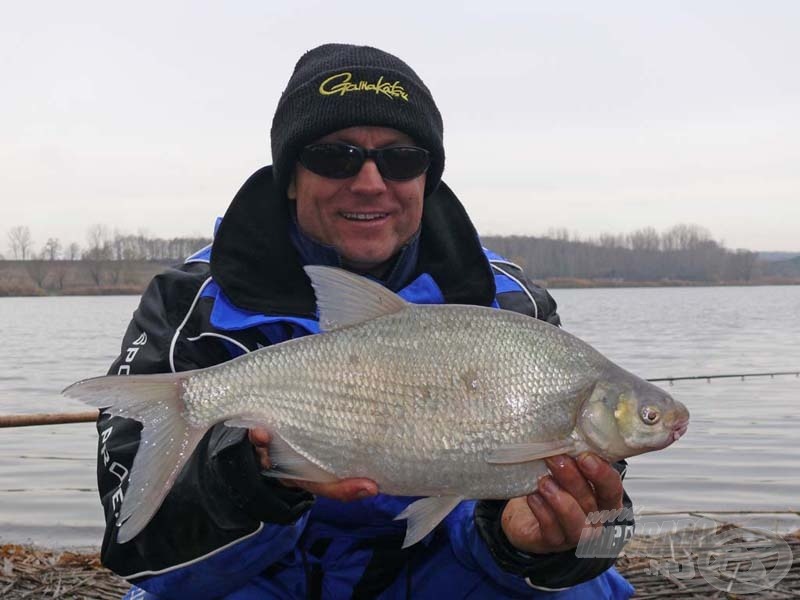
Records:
x=343, y=490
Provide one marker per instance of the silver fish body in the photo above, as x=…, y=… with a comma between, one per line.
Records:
x=414, y=400
x=444, y=401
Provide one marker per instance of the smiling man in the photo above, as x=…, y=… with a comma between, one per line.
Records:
x=367, y=210
x=357, y=146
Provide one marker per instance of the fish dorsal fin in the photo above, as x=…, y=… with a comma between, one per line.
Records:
x=344, y=298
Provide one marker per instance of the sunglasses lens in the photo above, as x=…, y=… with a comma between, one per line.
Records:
x=403, y=162
x=337, y=161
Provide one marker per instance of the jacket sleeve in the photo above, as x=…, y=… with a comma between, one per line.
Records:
x=222, y=522
x=553, y=571
x=548, y=571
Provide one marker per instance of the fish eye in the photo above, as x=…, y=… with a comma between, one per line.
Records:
x=650, y=415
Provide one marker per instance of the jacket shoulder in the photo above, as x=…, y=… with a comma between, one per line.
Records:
x=176, y=289
x=166, y=305
x=518, y=293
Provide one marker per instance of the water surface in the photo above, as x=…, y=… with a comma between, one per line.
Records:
x=741, y=451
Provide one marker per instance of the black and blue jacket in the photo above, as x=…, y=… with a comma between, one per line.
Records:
x=224, y=530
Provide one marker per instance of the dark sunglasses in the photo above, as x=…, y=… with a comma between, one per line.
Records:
x=340, y=161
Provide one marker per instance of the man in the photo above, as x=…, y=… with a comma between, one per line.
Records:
x=358, y=156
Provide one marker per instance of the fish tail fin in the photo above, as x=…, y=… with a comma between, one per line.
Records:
x=167, y=439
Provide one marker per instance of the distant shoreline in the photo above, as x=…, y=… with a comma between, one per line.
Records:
x=577, y=283
x=35, y=278
x=553, y=284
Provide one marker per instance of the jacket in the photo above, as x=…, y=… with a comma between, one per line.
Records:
x=226, y=531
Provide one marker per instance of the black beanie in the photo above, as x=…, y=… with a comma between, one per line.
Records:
x=336, y=86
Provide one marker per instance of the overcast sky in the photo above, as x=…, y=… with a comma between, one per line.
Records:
x=590, y=116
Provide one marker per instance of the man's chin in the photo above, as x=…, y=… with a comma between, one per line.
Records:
x=374, y=265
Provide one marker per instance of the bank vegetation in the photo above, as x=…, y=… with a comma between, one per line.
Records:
x=682, y=255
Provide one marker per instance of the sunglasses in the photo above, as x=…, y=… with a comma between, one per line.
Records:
x=340, y=161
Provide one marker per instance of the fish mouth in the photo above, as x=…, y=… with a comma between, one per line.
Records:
x=679, y=430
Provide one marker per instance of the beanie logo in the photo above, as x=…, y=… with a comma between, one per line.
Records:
x=342, y=83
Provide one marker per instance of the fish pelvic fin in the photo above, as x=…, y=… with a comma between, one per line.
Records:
x=519, y=453
x=166, y=443
x=344, y=298
x=289, y=463
x=424, y=515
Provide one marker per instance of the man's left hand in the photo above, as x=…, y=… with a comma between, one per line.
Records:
x=552, y=518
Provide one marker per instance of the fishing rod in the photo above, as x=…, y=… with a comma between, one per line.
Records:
x=47, y=419
x=740, y=376
x=91, y=416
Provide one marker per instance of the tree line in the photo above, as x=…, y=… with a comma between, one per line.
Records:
x=680, y=253
x=103, y=245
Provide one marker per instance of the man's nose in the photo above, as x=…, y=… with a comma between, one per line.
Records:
x=368, y=180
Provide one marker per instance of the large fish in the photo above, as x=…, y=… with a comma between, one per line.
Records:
x=443, y=401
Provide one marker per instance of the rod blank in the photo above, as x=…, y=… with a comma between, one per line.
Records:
x=726, y=376
x=47, y=419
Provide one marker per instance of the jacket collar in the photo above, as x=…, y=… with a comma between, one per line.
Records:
x=312, y=252
x=259, y=269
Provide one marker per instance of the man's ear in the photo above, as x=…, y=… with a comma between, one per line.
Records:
x=291, y=190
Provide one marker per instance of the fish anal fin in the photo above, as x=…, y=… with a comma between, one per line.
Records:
x=526, y=452
x=424, y=515
x=344, y=298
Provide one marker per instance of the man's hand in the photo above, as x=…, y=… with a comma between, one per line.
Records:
x=344, y=490
x=552, y=518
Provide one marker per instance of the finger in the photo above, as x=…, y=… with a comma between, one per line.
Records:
x=260, y=438
x=605, y=479
x=568, y=512
x=567, y=474
x=549, y=526
x=523, y=529
x=345, y=490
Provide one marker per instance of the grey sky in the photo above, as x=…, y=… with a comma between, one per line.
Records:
x=595, y=117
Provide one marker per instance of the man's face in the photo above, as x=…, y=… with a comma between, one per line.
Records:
x=366, y=218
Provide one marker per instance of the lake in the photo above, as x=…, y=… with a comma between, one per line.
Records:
x=740, y=454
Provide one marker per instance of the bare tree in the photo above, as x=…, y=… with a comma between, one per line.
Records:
x=118, y=245
x=610, y=240
x=38, y=270
x=52, y=249
x=73, y=251
x=644, y=239
x=99, y=241
x=96, y=269
x=684, y=237
x=59, y=272
x=20, y=242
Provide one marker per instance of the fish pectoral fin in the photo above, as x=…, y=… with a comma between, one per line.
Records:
x=424, y=515
x=344, y=298
x=519, y=453
x=288, y=463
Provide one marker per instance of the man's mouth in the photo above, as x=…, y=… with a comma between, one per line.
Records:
x=356, y=216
